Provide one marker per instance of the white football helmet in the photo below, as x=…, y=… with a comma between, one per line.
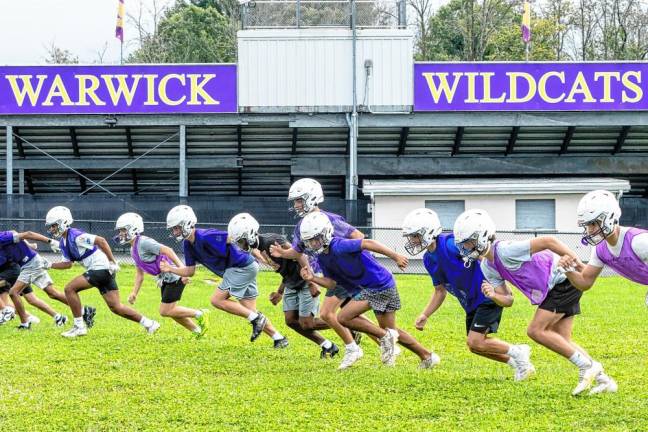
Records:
x=58, y=220
x=244, y=227
x=184, y=217
x=316, y=232
x=598, y=207
x=421, y=227
x=477, y=227
x=132, y=223
x=310, y=191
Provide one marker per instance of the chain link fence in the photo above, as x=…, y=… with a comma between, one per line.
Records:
x=322, y=13
x=389, y=236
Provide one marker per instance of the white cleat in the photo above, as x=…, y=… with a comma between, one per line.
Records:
x=33, y=319
x=524, y=372
x=75, y=332
x=524, y=369
x=350, y=357
x=586, y=377
x=153, y=328
x=604, y=384
x=430, y=362
x=387, y=347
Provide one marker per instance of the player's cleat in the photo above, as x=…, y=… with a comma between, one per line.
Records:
x=430, y=362
x=75, y=331
x=350, y=357
x=24, y=326
x=88, y=315
x=329, y=352
x=258, y=324
x=387, y=344
x=153, y=327
x=357, y=336
x=523, y=367
x=203, y=322
x=60, y=320
x=604, y=384
x=33, y=319
x=281, y=343
x=7, y=315
x=586, y=376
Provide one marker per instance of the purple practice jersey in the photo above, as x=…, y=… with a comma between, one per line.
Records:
x=20, y=252
x=210, y=248
x=350, y=266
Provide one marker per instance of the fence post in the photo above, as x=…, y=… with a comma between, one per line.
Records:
x=298, y=13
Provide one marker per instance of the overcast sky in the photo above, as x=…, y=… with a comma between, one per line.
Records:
x=84, y=27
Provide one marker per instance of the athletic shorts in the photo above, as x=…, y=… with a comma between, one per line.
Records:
x=485, y=319
x=101, y=279
x=240, y=282
x=300, y=299
x=338, y=292
x=380, y=301
x=33, y=273
x=172, y=291
x=563, y=298
x=8, y=276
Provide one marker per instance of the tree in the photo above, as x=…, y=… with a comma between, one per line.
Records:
x=188, y=34
x=57, y=55
x=507, y=43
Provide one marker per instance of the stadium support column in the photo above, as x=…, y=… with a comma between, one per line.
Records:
x=9, y=160
x=352, y=180
x=183, y=186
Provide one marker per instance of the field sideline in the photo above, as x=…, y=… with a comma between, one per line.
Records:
x=120, y=378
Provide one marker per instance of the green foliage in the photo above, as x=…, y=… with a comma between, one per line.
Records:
x=189, y=34
x=120, y=378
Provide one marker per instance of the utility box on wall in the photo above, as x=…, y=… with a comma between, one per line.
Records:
x=309, y=70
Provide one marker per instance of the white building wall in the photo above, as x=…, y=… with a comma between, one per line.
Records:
x=286, y=70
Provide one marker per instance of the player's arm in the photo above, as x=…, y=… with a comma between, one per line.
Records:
x=433, y=305
x=377, y=247
x=62, y=265
x=551, y=243
x=182, y=270
x=583, y=276
x=308, y=275
x=356, y=234
x=500, y=294
x=170, y=253
x=275, y=296
x=103, y=245
x=30, y=235
x=284, y=251
x=139, y=278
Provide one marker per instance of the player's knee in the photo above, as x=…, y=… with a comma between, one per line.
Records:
x=114, y=308
x=292, y=323
x=475, y=345
x=217, y=303
x=534, y=332
x=165, y=310
x=68, y=290
x=307, y=323
x=343, y=319
x=328, y=316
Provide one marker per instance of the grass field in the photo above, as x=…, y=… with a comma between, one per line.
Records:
x=119, y=378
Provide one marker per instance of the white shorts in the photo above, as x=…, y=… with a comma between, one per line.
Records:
x=33, y=273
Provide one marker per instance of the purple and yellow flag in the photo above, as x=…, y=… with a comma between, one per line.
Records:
x=119, y=29
x=526, y=23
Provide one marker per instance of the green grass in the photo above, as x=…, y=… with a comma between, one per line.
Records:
x=119, y=378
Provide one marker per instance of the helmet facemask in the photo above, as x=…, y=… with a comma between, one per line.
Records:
x=604, y=227
x=416, y=242
x=479, y=246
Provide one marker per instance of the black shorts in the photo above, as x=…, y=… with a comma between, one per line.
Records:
x=172, y=291
x=8, y=277
x=101, y=279
x=485, y=319
x=563, y=298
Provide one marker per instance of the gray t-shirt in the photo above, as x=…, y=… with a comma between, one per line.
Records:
x=148, y=251
x=512, y=255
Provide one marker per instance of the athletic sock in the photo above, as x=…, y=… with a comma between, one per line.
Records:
x=252, y=316
x=327, y=344
x=514, y=352
x=197, y=329
x=352, y=346
x=511, y=362
x=277, y=336
x=580, y=360
x=78, y=322
x=199, y=313
x=145, y=322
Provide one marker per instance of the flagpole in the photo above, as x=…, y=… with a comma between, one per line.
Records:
x=121, y=53
x=526, y=51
